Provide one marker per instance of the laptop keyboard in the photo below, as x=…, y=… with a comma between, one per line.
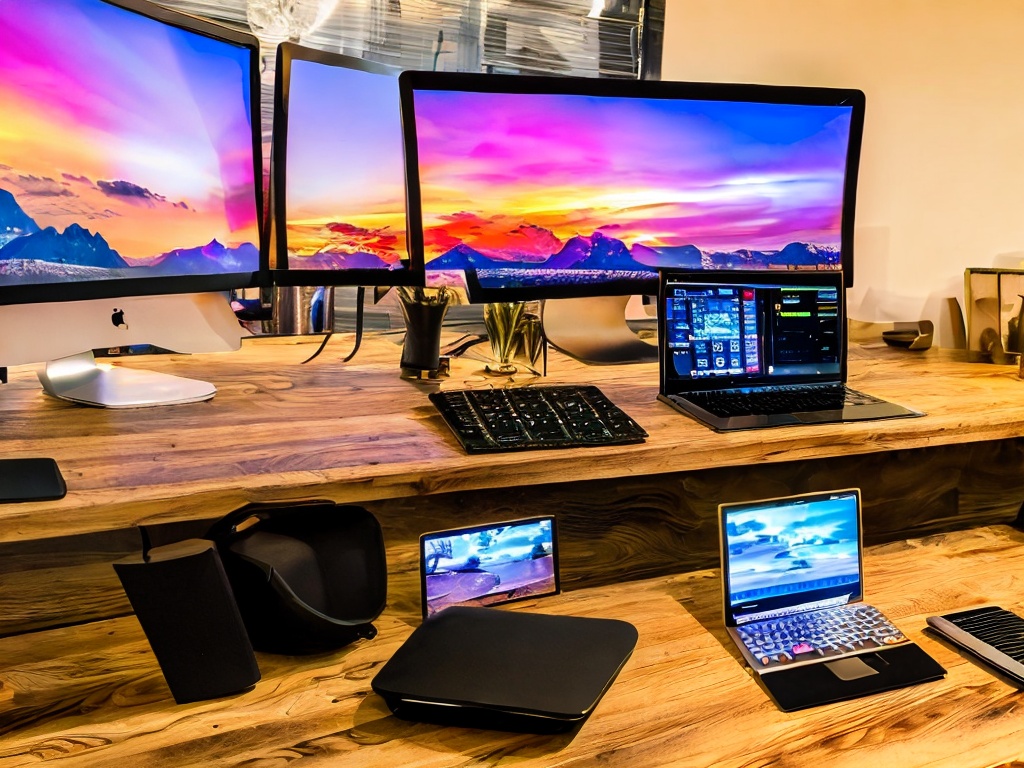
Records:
x=993, y=634
x=782, y=399
x=551, y=416
x=817, y=634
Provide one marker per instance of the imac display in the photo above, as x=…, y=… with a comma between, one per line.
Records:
x=338, y=173
x=488, y=564
x=129, y=170
x=527, y=188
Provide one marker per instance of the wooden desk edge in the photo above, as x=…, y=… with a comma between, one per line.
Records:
x=676, y=445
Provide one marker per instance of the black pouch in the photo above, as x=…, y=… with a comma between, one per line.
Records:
x=308, y=576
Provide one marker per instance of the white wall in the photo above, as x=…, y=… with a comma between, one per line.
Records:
x=942, y=168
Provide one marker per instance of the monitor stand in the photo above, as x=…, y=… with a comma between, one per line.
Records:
x=59, y=331
x=594, y=330
x=80, y=379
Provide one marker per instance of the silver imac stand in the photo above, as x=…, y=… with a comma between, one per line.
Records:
x=80, y=379
x=594, y=330
x=59, y=332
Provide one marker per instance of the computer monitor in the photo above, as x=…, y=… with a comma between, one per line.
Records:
x=549, y=188
x=338, y=174
x=129, y=189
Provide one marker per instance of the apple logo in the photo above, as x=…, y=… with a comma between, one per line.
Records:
x=117, y=318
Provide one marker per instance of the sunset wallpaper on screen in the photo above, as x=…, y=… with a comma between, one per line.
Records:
x=528, y=184
x=345, y=177
x=125, y=147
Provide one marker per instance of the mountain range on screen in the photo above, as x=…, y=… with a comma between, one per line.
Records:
x=127, y=149
x=25, y=247
x=600, y=252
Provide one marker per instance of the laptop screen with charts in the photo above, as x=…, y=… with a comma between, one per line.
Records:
x=792, y=583
x=741, y=350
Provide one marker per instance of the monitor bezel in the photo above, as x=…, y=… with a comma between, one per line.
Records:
x=411, y=82
x=281, y=272
x=173, y=284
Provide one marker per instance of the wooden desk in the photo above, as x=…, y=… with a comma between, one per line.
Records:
x=93, y=696
x=358, y=433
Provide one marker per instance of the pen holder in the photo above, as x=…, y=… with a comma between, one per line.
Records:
x=423, y=310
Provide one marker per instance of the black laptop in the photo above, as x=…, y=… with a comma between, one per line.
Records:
x=742, y=350
x=792, y=584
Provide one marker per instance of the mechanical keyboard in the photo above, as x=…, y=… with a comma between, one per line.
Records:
x=995, y=635
x=548, y=416
x=814, y=634
x=781, y=399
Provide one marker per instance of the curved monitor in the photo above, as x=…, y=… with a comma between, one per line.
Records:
x=544, y=187
x=338, y=173
x=128, y=160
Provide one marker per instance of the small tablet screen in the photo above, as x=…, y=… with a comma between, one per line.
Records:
x=488, y=564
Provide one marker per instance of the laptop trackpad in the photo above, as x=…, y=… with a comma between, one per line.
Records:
x=850, y=669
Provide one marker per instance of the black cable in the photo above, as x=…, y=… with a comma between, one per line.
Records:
x=319, y=349
x=458, y=347
x=360, y=297
x=146, y=543
x=437, y=48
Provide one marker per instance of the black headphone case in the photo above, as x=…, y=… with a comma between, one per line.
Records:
x=308, y=576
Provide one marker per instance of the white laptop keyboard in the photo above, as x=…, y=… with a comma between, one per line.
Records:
x=816, y=634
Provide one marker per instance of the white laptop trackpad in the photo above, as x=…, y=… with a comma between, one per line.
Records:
x=850, y=669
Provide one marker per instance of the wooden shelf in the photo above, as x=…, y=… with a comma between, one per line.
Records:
x=93, y=695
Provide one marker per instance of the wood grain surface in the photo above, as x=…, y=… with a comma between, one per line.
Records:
x=358, y=433
x=278, y=430
x=93, y=695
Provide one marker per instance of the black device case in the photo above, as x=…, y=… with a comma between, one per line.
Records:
x=182, y=598
x=505, y=670
x=309, y=576
x=31, y=479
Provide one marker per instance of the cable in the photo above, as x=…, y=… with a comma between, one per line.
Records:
x=146, y=543
x=360, y=297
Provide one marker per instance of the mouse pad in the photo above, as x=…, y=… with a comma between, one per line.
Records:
x=805, y=686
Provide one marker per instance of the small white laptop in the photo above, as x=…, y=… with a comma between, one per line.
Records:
x=792, y=582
